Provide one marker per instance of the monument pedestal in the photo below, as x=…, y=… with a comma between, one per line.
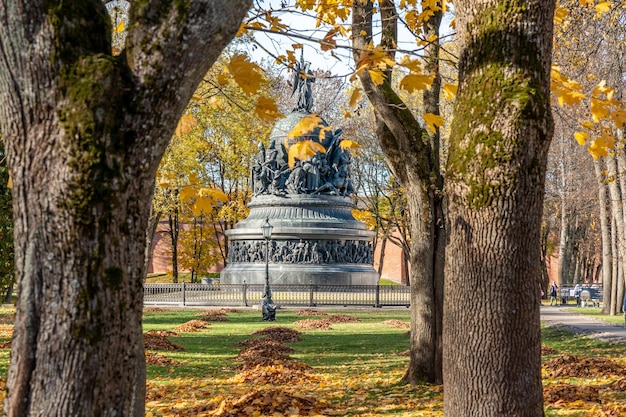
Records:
x=315, y=239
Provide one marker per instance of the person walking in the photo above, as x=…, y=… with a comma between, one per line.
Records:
x=553, y=292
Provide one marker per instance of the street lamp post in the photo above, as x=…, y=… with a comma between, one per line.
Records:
x=267, y=306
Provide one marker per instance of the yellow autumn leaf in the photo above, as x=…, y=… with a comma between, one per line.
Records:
x=306, y=125
x=581, y=137
x=348, y=144
x=416, y=82
x=597, y=151
x=185, y=124
x=560, y=14
x=433, y=120
x=378, y=77
x=214, y=194
x=202, y=205
x=120, y=27
x=10, y=182
x=587, y=2
x=449, y=91
x=267, y=110
x=453, y=23
x=412, y=65
x=187, y=193
x=599, y=110
x=619, y=118
x=222, y=78
x=603, y=7
x=303, y=150
x=355, y=97
x=247, y=74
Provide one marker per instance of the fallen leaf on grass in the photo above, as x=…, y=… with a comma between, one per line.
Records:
x=159, y=360
x=397, y=324
x=547, y=350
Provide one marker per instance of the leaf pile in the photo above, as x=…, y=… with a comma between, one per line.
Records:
x=216, y=315
x=547, y=350
x=280, y=334
x=618, y=385
x=609, y=411
x=312, y=324
x=5, y=345
x=573, y=366
x=342, y=318
x=397, y=324
x=266, y=360
x=563, y=392
x=271, y=402
x=192, y=326
x=153, y=341
x=310, y=312
x=159, y=360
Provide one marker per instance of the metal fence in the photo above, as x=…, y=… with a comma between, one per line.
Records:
x=283, y=295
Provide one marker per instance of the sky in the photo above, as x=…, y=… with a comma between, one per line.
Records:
x=339, y=62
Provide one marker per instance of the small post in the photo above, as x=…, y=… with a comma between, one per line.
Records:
x=245, y=293
x=311, y=303
x=378, y=296
x=268, y=307
x=184, y=295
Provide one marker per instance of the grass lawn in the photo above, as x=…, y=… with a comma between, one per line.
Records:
x=351, y=369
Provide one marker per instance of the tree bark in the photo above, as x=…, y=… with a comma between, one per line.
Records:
x=84, y=132
x=499, y=142
x=408, y=152
x=173, y=223
x=617, y=208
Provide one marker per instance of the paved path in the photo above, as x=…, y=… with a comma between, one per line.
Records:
x=579, y=323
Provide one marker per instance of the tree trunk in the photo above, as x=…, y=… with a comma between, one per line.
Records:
x=153, y=224
x=564, y=265
x=381, y=258
x=409, y=154
x=499, y=142
x=614, y=270
x=84, y=133
x=617, y=208
x=173, y=223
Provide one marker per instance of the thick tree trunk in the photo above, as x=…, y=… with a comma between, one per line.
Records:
x=500, y=136
x=85, y=132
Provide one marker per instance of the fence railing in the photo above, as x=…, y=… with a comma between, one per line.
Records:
x=283, y=295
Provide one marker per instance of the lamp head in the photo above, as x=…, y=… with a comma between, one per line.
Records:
x=267, y=229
